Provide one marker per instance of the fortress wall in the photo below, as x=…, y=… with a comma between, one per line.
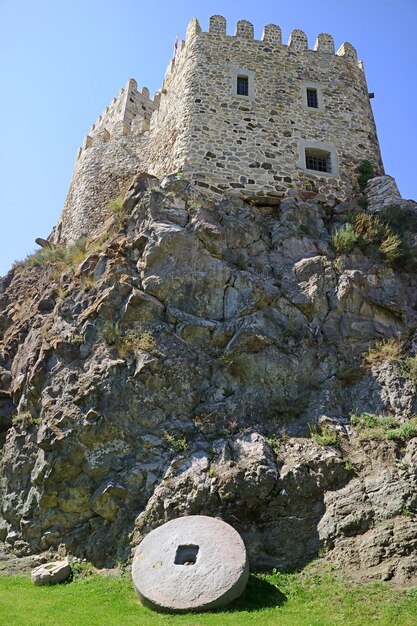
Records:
x=221, y=140
x=103, y=172
x=252, y=143
x=112, y=153
x=171, y=124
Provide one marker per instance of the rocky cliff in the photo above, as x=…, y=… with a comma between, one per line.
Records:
x=214, y=357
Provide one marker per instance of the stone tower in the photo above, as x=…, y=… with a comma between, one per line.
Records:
x=233, y=113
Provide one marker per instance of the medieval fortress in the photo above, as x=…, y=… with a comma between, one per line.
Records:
x=234, y=114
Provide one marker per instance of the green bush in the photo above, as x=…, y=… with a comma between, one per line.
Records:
x=240, y=262
x=369, y=228
x=387, y=235
x=129, y=342
x=369, y=420
x=390, y=247
x=65, y=257
x=275, y=443
x=25, y=418
x=344, y=239
x=400, y=219
x=110, y=332
x=409, y=368
x=115, y=206
x=366, y=172
x=403, y=432
x=389, y=350
x=324, y=435
x=178, y=443
x=382, y=427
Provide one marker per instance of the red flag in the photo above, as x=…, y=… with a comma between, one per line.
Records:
x=175, y=47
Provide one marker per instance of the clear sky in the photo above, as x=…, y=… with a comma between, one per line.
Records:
x=62, y=62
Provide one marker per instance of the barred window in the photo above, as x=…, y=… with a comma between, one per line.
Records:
x=318, y=160
x=242, y=87
x=312, y=99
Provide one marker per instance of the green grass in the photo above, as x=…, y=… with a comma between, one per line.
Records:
x=275, y=599
x=379, y=427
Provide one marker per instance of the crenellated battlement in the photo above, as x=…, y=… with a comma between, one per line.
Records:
x=272, y=35
x=234, y=114
x=130, y=111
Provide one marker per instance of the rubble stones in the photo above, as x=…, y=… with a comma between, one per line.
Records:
x=51, y=573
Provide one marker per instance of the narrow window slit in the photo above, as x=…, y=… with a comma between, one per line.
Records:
x=312, y=100
x=242, y=87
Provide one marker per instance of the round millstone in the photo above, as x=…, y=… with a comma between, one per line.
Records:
x=190, y=563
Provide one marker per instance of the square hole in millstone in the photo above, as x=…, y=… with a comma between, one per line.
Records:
x=186, y=555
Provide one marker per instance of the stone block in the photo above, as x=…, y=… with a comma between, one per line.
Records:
x=51, y=573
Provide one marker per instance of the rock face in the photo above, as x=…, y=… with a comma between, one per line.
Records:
x=177, y=366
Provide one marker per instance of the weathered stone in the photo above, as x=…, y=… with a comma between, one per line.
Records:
x=191, y=563
x=51, y=573
x=259, y=152
x=245, y=331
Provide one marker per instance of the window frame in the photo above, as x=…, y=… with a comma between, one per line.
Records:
x=242, y=81
x=323, y=156
x=319, y=146
x=238, y=72
x=307, y=85
x=312, y=97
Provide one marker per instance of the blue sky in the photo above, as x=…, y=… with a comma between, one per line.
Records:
x=62, y=62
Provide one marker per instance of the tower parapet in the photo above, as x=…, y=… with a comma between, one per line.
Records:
x=233, y=113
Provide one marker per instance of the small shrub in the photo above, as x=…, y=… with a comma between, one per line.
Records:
x=25, y=418
x=240, y=262
x=129, y=342
x=64, y=257
x=110, y=332
x=115, y=206
x=403, y=432
x=369, y=228
x=133, y=342
x=213, y=471
x=390, y=247
x=304, y=229
x=407, y=511
x=369, y=420
x=87, y=283
x=348, y=465
x=382, y=427
x=366, y=172
x=344, y=239
x=275, y=443
x=82, y=569
x=386, y=350
x=178, y=443
x=400, y=219
x=408, y=368
x=324, y=435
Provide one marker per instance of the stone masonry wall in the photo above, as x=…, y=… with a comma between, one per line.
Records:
x=257, y=142
x=223, y=141
x=112, y=153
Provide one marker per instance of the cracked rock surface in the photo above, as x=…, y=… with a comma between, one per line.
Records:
x=179, y=368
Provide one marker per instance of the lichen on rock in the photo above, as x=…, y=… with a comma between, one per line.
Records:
x=203, y=357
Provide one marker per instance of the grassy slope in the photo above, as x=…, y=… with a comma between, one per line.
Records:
x=302, y=600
